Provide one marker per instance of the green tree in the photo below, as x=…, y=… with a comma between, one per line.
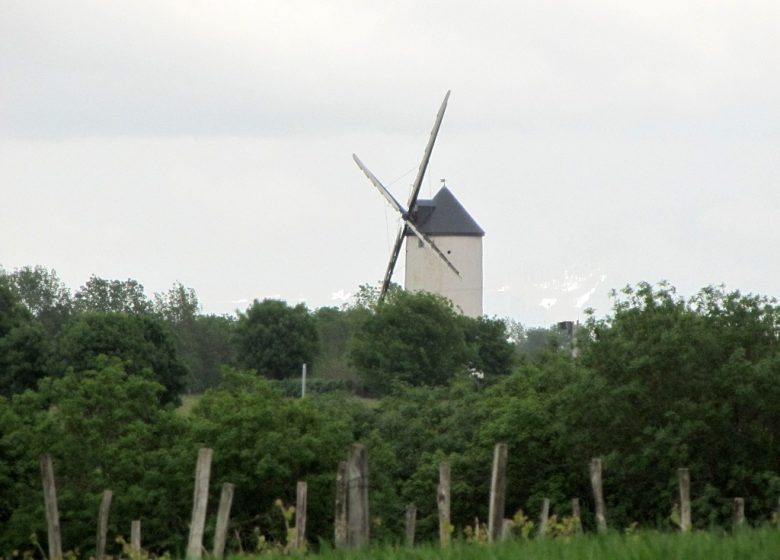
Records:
x=43, y=294
x=367, y=296
x=492, y=352
x=24, y=350
x=537, y=341
x=205, y=348
x=203, y=342
x=101, y=295
x=678, y=382
x=275, y=339
x=179, y=305
x=531, y=411
x=413, y=338
x=141, y=342
x=461, y=422
x=264, y=444
x=416, y=428
x=334, y=331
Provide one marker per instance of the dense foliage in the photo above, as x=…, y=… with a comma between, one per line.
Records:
x=677, y=382
x=662, y=382
x=141, y=342
x=412, y=338
x=334, y=331
x=23, y=347
x=105, y=429
x=276, y=339
x=264, y=444
x=419, y=339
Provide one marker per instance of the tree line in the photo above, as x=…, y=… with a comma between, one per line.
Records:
x=47, y=329
x=661, y=382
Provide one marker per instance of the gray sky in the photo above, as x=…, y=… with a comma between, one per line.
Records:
x=598, y=143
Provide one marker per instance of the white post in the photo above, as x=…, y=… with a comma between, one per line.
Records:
x=303, y=381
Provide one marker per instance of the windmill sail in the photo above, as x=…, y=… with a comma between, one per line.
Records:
x=408, y=221
x=427, y=154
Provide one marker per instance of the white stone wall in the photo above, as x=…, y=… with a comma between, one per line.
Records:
x=426, y=271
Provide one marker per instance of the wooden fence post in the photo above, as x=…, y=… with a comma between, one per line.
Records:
x=358, y=531
x=300, y=516
x=575, y=513
x=544, y=517
x=52, y=512
x=684, y=482
x=135, y=536
x=410, y=524
x=223, y=519
x=443, y=501
x=497, y=492
x=340, y=521
x=598, y=494
x=739, y=512
x=200, y=500
x=102, y=526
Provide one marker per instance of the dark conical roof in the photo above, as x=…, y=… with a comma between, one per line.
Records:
x=444, y=215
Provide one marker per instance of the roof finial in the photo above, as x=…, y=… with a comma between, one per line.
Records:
x=443, y=182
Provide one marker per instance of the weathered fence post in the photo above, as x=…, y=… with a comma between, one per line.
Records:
x=443, y=501
x=497, y=492
x=357, y=497
x=739, y=512
x=410, y=524
x=135, y=536
x=340, y=521
x=223, y=519
x=575, y=513
x=102, y=526
x=52, y=512
x=598, y=494
x=544, y=517
x=684, y=482
x=200, y=498
x=300, y=516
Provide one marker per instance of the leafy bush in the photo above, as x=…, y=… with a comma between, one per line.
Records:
x=264, y=443
x=105, y=430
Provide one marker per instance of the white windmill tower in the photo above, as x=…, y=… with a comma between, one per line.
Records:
x=444, y=252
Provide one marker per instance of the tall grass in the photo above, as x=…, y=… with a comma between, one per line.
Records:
x=758, y=544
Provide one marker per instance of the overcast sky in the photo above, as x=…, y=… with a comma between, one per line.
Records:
x=598, y=143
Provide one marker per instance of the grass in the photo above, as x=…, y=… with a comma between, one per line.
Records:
x=758, y=544
x=188, y=402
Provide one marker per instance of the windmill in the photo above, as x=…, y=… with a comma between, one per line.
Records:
x=430, y=264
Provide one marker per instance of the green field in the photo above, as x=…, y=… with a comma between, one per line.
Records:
x=188, y=402
x=746, y=544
